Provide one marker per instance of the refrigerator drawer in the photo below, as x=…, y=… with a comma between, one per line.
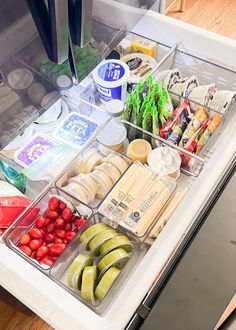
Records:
x=62, y=310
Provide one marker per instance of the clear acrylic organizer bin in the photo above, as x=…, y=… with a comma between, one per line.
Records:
x=28, y=219
x=89, y=94
x=84, y=166
x=60, y=269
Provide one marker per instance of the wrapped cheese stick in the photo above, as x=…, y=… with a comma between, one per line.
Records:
x=148, y=205
x=214, y=123
x=112, y=207
x=197, y=120
x=167, y=212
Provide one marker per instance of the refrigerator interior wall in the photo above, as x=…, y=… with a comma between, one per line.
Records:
x=69, y=310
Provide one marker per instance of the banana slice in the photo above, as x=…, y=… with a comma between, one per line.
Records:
x=117, y=258
x=92, y=231
x=106, y=282
x=120, y=241
x=88, y=283
x=96, y=243
x=76, y=269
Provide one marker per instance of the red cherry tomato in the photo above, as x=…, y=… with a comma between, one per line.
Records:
x=67, y=214
x=24, y=239
x=42, y=252
x=35, y=244
x=43, y=231
x=51, y=214
x=35, y=233
x=57, y=249
x=49, y=238
x=46, y=262
x=68, y=226
x=60, y=233
x=80, y=222
x=33, y=255
x=70, y=235
x=47, y=221
x=40, y=222
x=53, y=203
x=51, y=227
x=25, y=249
x=58, y=241
x=59, y=223
x=62, y=206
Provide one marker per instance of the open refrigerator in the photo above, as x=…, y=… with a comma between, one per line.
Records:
x=195, y=51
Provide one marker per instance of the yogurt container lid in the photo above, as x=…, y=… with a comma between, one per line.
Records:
x=140, y=66
x=111, y=73
x=164, y=160
x=20, y=78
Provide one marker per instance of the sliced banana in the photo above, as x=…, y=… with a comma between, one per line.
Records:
x=76, y=269
x=106, y=282
x=89, y=277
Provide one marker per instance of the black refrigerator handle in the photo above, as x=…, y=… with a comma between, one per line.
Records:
x=51, y=20
x=40, y=14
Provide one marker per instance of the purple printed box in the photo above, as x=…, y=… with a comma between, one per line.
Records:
x=38, y=146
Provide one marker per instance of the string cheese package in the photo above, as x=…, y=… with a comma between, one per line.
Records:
x=137, y=199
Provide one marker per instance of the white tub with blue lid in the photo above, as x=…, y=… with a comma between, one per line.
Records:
x=111, y=78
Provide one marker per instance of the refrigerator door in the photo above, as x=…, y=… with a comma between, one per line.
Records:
x=62, y=310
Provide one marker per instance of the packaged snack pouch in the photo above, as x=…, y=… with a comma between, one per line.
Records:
x=197, y=120
x=147, y=122
x=214, y=123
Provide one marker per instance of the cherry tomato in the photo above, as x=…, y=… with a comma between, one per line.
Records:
x=35, y=233
x=46, y=262
x=70, y=235
x=62, y=205
x=68, y=226
x=59, y=223
x=47, y=221
x=53, y=203
x=33, y=255
x=51, y=227
x=24, y=239
x=35, y=244
x=51, y=214
x=80, y=222
x=42, y=230
x=40, y=222
x=57, y=249
x=42, y=252
x=49, y=238
x=58, y=241
x=25, y=249
x=67, y=214
x=60, y=233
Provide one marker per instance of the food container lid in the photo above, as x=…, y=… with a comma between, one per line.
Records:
x=111, y=73
x=140, y=66
x=115, y=108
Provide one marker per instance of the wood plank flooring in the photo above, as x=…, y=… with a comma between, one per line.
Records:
x=215, y=15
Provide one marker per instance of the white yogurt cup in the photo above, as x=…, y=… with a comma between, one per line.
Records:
x=111, y=78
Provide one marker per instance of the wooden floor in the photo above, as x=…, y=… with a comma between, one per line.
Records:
x=215, y=15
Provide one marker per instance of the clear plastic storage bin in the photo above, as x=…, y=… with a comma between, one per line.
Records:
x=61, y=272
x=27, y=221
x=93, y=173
